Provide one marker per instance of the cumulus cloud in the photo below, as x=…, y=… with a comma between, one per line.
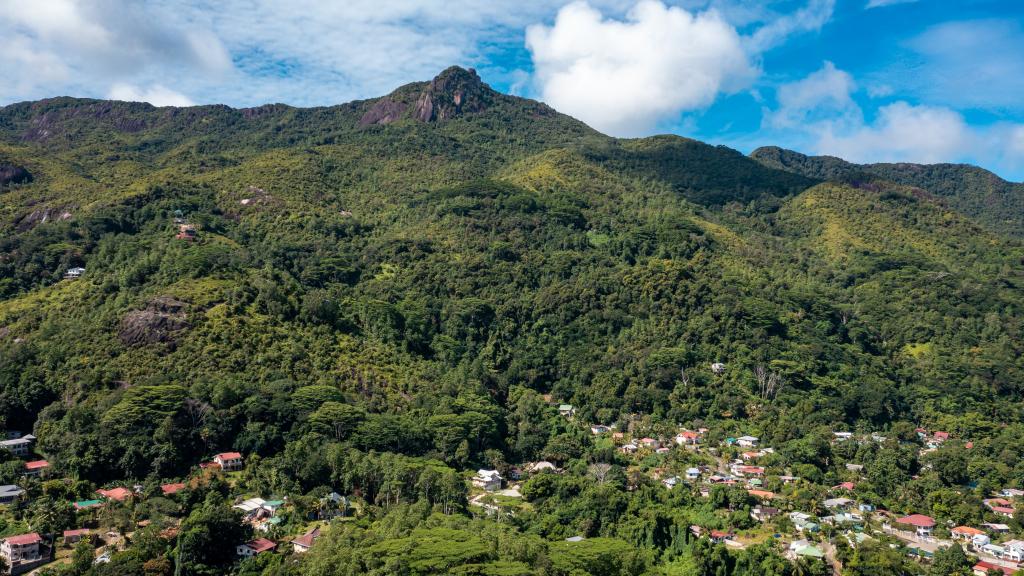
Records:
x=80, y=45
x=157, y=95
x=819, y=115
x=825, y=94
x=901, y=133
x=623, y=76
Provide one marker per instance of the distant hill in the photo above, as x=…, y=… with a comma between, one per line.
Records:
x=969, y=189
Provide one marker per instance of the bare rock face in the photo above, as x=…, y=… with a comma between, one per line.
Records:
x=42, y=216
x=454, y=92
x=11, y=174
x=163, y=319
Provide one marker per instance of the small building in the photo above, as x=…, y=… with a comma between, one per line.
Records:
x=855, y=467
x=87, y=504
x=598, y=429
x=541, y=466
x=719, y=536
x=303, y=543
x=764, y=513
x=1011, y=493
x=692, y=473
x=762, y=494
x=805, y=549
x=842, y=436
x=718, y=368
x=687, y=437
x=116, y=494
x=74, y=273
x=629, y=448
x=36, y=468
x=566, y=410
x=650, y=443
x=671, y=481
x=229, y=461
x=747, y=441
x=489, y=480
x=171, y=489
x=996, y=528
x=18, y=446
x=980, y=540
x=20, y=549
x=983, y=568
x=837, y=503
x=186, y=232
x=786, y=479
x=921, y=524
x=11, y=494
x=254, y=547
x=848, y=486
x=75, y=536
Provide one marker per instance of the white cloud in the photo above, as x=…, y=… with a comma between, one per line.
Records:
x=819, y=115
x=623, y=76
x=883, y=3
x=824, y=94
x=901, y=133
x=626, y=75
x=809, y=18
x=79, y=46
x=157, y=95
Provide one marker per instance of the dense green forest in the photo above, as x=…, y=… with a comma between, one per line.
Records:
x=384, y=296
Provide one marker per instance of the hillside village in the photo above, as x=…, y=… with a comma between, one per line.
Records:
x=758, y=501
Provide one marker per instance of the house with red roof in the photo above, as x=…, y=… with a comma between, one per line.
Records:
x=922, y=524
x=117, y=494
x=982, y=569
x=718, y=536
x=169, y=489
x=844, y=486
x=229, y=461
x=76, y=535
x=303, y=543
x=1000, y=506
x=254, y=547
x=20, y=549
x=35, y=468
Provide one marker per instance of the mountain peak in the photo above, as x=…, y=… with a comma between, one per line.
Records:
x=454, y=92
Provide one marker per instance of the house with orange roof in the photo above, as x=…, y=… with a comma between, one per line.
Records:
x=117, y=494
x=35, y=468
x=174, y=488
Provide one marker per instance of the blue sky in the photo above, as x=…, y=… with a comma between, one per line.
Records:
x=868, y=80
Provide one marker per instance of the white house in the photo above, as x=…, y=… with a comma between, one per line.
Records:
x=489, y=480
x=747, y=441
x=254, y=547
x=228, y=461
x=10, y=494
x=718, y=368
x=18, y=446
x=692, y=473
x=19, y=549
x=598, y=429
x=671, y=482
x=842, y=436
x=73, y=273
x=566, y=410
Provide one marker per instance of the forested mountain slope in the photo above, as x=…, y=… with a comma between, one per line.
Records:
x=973, y=191
x=403, y=278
